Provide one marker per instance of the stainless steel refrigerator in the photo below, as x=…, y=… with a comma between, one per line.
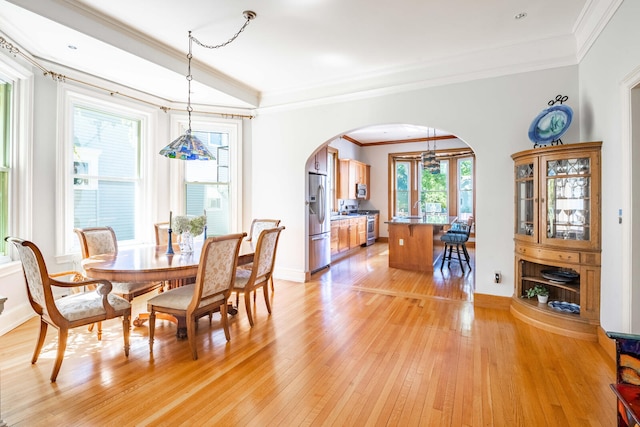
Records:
x=319, y=223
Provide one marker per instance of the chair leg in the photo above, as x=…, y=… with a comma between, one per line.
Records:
x=43, y=334
x=466, y=255
x=191, y=336
x=271, y=280
x=126, y=331
x=152, y=329
x=99, y=331
x=444, y=256
x=459, y=259
x=247, y=304
x=265, y=291
x=62, y=346
x=225, y=320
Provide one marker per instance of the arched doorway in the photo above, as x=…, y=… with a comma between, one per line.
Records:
x=374, y=147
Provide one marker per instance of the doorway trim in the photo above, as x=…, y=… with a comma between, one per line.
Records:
x=630, y=246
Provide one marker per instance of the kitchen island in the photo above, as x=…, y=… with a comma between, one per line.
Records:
x=411, y=241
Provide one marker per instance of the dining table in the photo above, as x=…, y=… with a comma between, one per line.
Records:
x=150, y=263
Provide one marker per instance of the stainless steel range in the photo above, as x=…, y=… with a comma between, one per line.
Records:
x=371, y=229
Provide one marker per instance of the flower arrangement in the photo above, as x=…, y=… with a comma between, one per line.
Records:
x=194, y=225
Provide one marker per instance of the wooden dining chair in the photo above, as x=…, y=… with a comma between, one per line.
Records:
x=82, y=308
x=258, y=276
x=102, y=240
x=162, y=233
x=257, y=225
x=210, y=292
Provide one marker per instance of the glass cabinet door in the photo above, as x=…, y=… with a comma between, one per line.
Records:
x=568, y=206
x=526, y=200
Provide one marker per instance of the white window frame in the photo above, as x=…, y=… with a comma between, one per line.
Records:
x=70, y=96
x=20, y=153
x=233, y=127
x=473, y=184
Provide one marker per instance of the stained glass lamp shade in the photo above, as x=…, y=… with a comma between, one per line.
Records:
x=187, y=147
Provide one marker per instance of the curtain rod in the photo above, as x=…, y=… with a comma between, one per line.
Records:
x=62, y=78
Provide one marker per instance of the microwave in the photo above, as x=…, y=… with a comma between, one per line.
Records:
x=361, y=191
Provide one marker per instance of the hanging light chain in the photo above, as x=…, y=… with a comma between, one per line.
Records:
x=189, y=78
x=248, y=14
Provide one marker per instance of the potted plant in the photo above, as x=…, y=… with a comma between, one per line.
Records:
x=541, y=291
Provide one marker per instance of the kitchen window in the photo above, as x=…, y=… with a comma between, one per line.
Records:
x=466, y=188
x=447, y=193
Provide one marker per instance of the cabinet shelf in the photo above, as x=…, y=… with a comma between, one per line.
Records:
x=566, y=286
x=570, y=224
x=533, y=302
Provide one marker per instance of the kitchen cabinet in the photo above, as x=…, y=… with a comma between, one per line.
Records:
x=353, y=233
x=352, y=172
x=318, y=162
x=557, y=233
x=343, y=235
x=335, y=237
x=361, y=227
x=348, y=233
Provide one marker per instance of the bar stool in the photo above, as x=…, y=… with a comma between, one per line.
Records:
x=457, y=236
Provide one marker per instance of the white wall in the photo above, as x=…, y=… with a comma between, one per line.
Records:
x=614, y=56
x=492, y=116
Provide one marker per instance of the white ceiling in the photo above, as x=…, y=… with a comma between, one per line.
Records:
x=299, y=50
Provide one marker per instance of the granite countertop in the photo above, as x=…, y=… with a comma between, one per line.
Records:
x=335, y=216
x=347, y=216
x=420, y=220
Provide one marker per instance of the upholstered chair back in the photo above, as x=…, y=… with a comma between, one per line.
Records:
x=35, y=274
x=261, y=224
x=217, y=267
x=97, y=241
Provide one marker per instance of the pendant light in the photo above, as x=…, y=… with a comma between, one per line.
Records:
x=428, y=158
x=188, y=146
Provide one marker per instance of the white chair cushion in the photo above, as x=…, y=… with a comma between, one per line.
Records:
x=128, y=287
x=242, y=278
x=178, y=298
x=88, y=304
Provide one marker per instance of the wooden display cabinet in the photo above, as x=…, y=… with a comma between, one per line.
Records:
x=557, y=228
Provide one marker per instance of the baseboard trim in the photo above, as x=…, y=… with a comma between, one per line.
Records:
x=491, y=301
x=607, y=344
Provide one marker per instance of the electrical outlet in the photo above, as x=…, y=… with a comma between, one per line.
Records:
x=497, y=277
x=401, y=242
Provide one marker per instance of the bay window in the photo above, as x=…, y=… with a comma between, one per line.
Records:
x=104, y=143
x=212, y=187
x=5, y=138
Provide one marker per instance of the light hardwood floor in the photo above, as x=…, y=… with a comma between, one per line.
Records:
x=360, y=344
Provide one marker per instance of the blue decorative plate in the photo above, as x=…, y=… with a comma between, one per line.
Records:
x=550, y=124
x=567, y=307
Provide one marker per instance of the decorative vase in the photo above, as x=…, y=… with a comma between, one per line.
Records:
x=186, y=242
x=542, y=299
